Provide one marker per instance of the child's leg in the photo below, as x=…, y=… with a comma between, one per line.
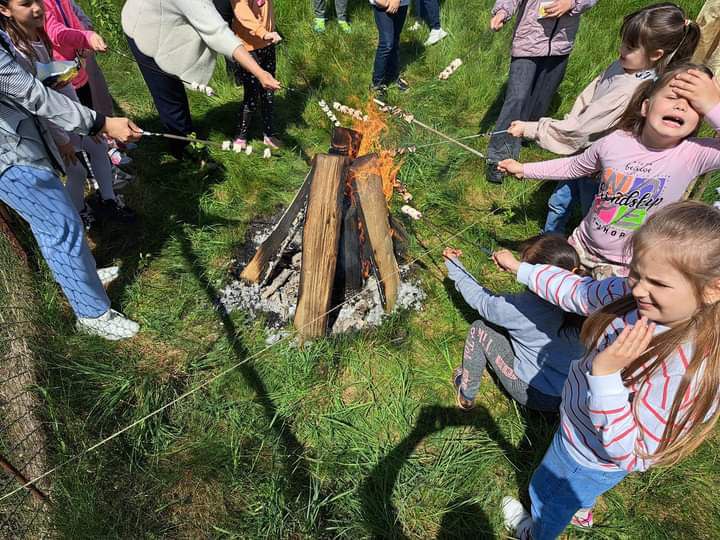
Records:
x=266, y=59
x=587, y=190
x=252, y=91
x=75, y=184
x=519, y=85
x=99, y=91
x=100, y=162
x=560, y=206
x=40, y=198
x=386, y=37
x=319, y=9
x=393, y=65
x=341, y=9
x=560, y=487
x=431, y=13
x=549, y=75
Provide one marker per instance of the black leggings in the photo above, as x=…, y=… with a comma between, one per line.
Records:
x=254, y=93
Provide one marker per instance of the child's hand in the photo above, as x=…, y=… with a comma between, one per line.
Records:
x=273, y=37
x=698, y=89
x=452, y=253
x=506, y=261
x=559, y=8
x=97, y=42
x=630, y=344
x=122, y=129
x=67, y=152
x=511, y=166
x=392, y=6
x=269, y=82
x=517, y=128
x=498, y=20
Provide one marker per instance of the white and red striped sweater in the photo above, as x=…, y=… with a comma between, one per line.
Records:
x=604, y=424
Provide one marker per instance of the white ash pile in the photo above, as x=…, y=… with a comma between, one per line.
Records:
x=277, y=299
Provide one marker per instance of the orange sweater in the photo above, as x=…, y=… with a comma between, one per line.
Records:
x=253, y=23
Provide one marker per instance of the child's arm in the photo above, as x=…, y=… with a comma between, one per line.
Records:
x=502, y=12
x=587, y=121
x=568, y=291
x=581, y=6
x=492, y=308
x=63, y=36
x=578, y=166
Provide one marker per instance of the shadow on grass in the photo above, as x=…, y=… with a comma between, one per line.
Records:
x=380, y=514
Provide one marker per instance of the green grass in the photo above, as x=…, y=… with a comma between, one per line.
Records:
x=350, y=437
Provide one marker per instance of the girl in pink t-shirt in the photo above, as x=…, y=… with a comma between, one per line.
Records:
x=647, y=163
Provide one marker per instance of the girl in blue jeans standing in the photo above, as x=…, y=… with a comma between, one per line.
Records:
x=389, y=19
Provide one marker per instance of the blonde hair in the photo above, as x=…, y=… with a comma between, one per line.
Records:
x=688, y=232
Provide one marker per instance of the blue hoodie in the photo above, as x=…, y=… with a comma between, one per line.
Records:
x=542, y=350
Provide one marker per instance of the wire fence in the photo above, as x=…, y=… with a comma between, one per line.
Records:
x=22, y=431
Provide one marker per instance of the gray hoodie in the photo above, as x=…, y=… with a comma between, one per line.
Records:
x=543, y=349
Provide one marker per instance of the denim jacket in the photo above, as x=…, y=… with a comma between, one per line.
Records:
x=26, y=109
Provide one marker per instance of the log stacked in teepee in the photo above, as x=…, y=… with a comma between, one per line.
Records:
x=346, y=235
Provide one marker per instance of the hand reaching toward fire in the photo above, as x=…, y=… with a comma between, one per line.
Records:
x=517, y=128
x=273, y=37
x=452, y=253
x=511, y=166
x=506, y=261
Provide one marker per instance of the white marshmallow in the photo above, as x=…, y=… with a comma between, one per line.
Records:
x=248, y=150
x=411, y=212
x=227, y=145
x=267, y=154
x=237, y=148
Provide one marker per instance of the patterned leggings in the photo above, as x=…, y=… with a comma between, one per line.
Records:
x=41, y=200
x=486, y=347
x=254, y=93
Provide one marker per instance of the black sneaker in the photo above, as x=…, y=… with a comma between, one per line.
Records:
x=380, y=91
x=493, y=175
x=402, y=84
x=87, y=217
x=114, y=210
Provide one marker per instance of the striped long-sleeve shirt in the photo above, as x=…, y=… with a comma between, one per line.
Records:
x=604, y=424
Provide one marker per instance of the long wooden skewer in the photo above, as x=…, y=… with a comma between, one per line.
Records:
x=413, y=120
x=10, y=469
x=476, y=136
x=180, y=138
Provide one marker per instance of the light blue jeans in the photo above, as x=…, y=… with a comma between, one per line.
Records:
x=561, y=486
x=41, y=200
x=567, y=195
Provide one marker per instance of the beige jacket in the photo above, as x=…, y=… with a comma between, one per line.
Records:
x=595, y=112
x=252, y=22
x=707, y=51
x=182, y=36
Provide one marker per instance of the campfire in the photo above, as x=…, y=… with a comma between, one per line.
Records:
x=336, y=243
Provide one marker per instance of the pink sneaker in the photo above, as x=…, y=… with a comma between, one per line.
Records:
x=583, y=518
x=240, y=143
x=272, y=142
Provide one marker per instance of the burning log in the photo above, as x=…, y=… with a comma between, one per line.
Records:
x=345, y=142
x=368, y=185
x=321, y=237
x=271, y=247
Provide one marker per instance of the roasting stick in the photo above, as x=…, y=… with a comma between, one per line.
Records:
x=180, y=138
x=412, y=120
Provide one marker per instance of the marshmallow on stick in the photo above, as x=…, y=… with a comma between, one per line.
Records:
x=448, y=71
x=326, y=109
x=411, y=212
x=355, y=113
x=204, y=88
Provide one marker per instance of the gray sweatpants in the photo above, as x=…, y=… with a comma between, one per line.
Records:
x=485, y=346
x=340, y=9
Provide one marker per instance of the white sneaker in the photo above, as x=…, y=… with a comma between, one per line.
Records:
x=415, y=27
x=435, y=36
x=108, y=275
x=517, y=519
x=111, y=325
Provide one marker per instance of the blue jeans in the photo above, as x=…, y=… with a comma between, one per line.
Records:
x=429, y=12
x=387, y=57
x=41, y=200
x=531, y=85
x=568, y=194
x=561, y=486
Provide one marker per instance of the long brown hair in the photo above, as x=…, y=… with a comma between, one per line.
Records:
x=688, y=232
x=632, y=119
x=19, y=37
x=664, y=27
x=555, y=250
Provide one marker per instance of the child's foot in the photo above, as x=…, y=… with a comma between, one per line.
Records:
x=493, y=175
x=87, y=217
x=517, y=519
x=111, y=325
x=415, y=27
x=345, y=26
x=380, y=91
x=117, y=158
x=402, y=84
x=583, y=518
x=114, y=210
x=121, y=178
x=435, y=36
x=463, y=403
x=108, y=275
x=272, y=142
x=319, y=25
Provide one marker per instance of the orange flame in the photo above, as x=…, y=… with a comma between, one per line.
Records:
x=372, y=131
